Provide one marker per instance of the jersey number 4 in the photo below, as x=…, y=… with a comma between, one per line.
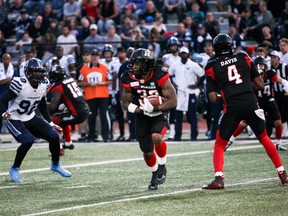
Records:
x=233, y=74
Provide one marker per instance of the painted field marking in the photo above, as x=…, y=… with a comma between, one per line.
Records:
x=140, y=198
x=133, y=159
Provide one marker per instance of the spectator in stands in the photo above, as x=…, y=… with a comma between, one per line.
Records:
x=67, y=41
x=3, y=45
x=237, y=39
x=128, y=11
x=184, y=36
x=284, y=50
x=174, y=6
x=201, y=38
x=202, y=4
x=72, y=8
x=137, y=38
x=36, y=30
x=113, y=37
x=254, y=7
x=264, y=18
x=121, y=5
x=57, y=8
x=247, y=24
x=13, y=15
x=211, y=25
x=22, y=24
x=73, y=26
x=138, y=6
x=30, y=6
x=83, y=29
x=48, y=46
x=284, y=21
x=267, y=38
x=24, y=43
x=149, y=11
x=190, y=25
x=195, y=12
x=235, y=12
x=90, y=9
x=159, y=25
x=5, y=25
x=54, y=28
x=95, y=79
x=147, y=25
x=47, y=15
x=108, y=15
x=125, y=30
x=154, y=42
x=94, y=40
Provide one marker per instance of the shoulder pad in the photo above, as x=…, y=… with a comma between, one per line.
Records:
x=241, y=52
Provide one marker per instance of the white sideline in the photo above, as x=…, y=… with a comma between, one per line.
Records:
x=133, y=159
x=141, y=197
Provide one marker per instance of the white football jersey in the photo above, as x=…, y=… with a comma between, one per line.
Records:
x=24, y=105
x=107, y=64
x=169, y=58
x=114, y=68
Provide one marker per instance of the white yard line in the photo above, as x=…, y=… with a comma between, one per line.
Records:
x=141, y=197
x=134, y=159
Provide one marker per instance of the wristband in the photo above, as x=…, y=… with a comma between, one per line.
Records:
x=156, y=109
x=132, y=107
x=51, y=124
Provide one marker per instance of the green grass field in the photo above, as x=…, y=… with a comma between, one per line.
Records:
x=112, y=179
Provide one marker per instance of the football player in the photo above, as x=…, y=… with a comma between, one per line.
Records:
x=234, y=74
x=266, y=102
x=142, y=80
x=25, y=95
x=67, y=106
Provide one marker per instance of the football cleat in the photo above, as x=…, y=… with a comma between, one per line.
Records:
x=71, y=146
x=217, y=183
x=153, y=185
x=161, y=177
x=283, y=177
x=228, y=145
x=15, y=175
x=57, y=168
x=279, y=147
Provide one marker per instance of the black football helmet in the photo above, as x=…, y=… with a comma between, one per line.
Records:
x=57, y=72
x=34, y=70
x=146, y=59
x=260, y=64
x=222, y=45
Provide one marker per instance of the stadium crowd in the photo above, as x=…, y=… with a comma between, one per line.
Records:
x=83, y=34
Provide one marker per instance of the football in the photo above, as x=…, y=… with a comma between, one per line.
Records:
x=155, y=100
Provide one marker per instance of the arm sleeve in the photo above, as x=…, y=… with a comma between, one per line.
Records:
x=44, y=110
x=211, y=85
x=5, y=98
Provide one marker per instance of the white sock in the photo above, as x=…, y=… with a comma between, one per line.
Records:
x=280, y=169
x=232, y=139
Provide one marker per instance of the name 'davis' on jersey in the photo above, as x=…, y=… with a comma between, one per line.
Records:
x=228, y=61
